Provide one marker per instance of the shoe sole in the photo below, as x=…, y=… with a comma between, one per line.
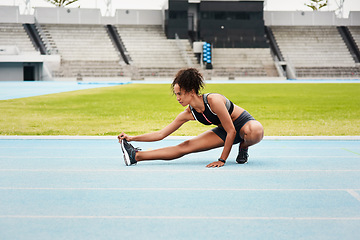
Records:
x=242, y=162
x=126, y=155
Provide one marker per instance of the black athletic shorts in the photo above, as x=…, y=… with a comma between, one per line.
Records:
x=238, y=123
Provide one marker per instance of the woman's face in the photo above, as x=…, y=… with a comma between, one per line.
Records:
x=182, y=96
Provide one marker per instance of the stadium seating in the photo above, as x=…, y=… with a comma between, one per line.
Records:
x=244, y=62
x=14, y=34
x=315, y=51
x=355, y=32
x=152, y=53
x=86, y=51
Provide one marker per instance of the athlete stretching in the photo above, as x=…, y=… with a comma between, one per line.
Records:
x=234, y=125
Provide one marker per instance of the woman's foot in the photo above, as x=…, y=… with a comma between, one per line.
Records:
x=242, y=156
x=129, y=152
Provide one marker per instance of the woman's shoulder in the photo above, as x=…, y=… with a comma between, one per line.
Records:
x=214, y=97
x=186, y=114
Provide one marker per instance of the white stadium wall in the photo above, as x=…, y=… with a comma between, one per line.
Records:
x=139, y=17
x=309, y=18
x=68, y=15
x=11, y=14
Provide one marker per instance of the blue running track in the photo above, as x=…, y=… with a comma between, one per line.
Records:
x=81, y=189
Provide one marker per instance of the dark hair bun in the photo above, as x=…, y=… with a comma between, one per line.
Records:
x=189, y=79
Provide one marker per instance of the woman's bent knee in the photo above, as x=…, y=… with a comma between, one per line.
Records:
x=258, y=132
x=253, y=132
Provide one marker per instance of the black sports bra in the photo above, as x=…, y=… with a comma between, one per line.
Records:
x=208, y=117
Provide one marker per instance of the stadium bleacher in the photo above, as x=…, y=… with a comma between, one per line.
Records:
x=355, y=32
x=152, y=53
x=87, y=50
x=14, y=34
x=244, y=62
x=315, y=51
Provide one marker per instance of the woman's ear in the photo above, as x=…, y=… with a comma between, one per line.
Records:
x=193, y=93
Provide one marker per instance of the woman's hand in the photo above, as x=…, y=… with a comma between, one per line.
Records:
x=124, y=136
x=215, y=164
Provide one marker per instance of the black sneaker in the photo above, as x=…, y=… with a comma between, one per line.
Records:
x=242, y=156
x=129, y=152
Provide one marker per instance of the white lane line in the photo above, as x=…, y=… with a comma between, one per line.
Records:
x=179, y=170
x=175, y=189
x=281, y=148
x=120, y=157
x=178, y=217
x=354, y=194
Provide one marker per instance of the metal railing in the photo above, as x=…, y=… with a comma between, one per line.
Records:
x=50, y=49
x=182, y=49
x=290, y=69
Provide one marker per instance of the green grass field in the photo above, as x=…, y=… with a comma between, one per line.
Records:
x=283, y=109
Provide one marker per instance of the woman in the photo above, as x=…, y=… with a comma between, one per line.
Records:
x=234, y=125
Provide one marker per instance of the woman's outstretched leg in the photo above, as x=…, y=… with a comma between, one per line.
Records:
x=205, y=141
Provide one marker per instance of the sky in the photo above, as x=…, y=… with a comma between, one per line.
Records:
x=270, y=5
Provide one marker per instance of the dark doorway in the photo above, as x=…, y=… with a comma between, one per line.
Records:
x=29, y=73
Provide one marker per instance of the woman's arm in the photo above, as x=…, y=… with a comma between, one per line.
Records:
x=217, y=104
x=182, y=118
